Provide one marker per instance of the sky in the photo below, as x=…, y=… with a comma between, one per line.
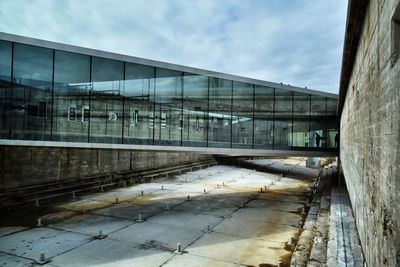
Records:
x=296, y=42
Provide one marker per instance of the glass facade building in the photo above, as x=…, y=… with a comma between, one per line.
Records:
x=55, y=92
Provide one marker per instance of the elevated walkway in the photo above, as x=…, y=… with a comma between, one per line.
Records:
x=289, y=151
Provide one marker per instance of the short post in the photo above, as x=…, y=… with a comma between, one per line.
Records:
x=102, y=188
x=162, y=187
x=208, y=228
x=223, y=184
x=37, y=202
x=188, y=198
x=116, y=200
x=204, y=191
x=39, y=222
x=167, y=206
x=178, y=248
x=139, y=219
x=261, y=190
x=241, y=203
x=142, y=193
x=100, y=235
x=42, y=257
x=265, y=187
x=73, y=194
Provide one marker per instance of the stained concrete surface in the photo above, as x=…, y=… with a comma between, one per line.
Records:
x=232, y=224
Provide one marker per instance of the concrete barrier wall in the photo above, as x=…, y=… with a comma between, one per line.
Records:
x=369, y=146
x=22, y=166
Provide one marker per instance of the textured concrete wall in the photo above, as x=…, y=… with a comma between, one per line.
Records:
x=21, y=166
x=369, y=146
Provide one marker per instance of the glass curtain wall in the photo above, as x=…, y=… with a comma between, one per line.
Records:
x=6, y=106
x=71, y=97
x=47, y=94
x=220, y=113
x=30, y=116
x=195, y=110
x=168, y=118
x=139, y=104
x=264, y=117
x=301, y=120
x=106, y=102
x=283, y=119
x=242, y=115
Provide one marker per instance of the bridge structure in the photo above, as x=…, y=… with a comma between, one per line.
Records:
x=58, y=95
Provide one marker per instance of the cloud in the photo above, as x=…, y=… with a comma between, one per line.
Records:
x=297, y=42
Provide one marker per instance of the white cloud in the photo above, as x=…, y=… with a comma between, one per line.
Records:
x=297, y=42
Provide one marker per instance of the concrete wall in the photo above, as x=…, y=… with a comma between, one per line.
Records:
x=369, y=146
x=21, y=166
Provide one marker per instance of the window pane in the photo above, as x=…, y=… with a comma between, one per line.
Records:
x=331, y=106
x=219, y=116
x=139, y=104
x=71, y=96
x=301, y=119
x=263, y=117
x=169, y=122
x=283, y=119
x=30, y=116
x=106, y=101
x=195, y=106
x=5, y=90
x=242, y=115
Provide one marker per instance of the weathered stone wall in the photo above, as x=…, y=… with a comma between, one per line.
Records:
x=369, y=146
x=22, y=166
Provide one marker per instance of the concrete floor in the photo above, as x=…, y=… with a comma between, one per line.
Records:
x=232, y=224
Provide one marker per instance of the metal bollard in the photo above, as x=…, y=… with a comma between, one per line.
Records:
x=162, y=187
x=139, y=219
x=42, y=257
x=188, y=198
x=261, y=190
x=142, y=193
x=39, y=222
x=204, y=191
x=37, y=202
x=178, y=248
x=167, y=206
x=73, y=194
x=116, y=200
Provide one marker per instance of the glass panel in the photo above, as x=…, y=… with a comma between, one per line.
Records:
x=317, y=132
x=318, y=106
x=242, y=115
x=263, y=117
x=301, y=119
x=301, y=128
x=71, y=96
x=195, y=106
x=139, y=104
x=219, y=116
x=106, y=101
x=283, y=119
x=331, y=106
x=332, y=133
x=168, y=124
x=5, y=90
x=30, y=115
